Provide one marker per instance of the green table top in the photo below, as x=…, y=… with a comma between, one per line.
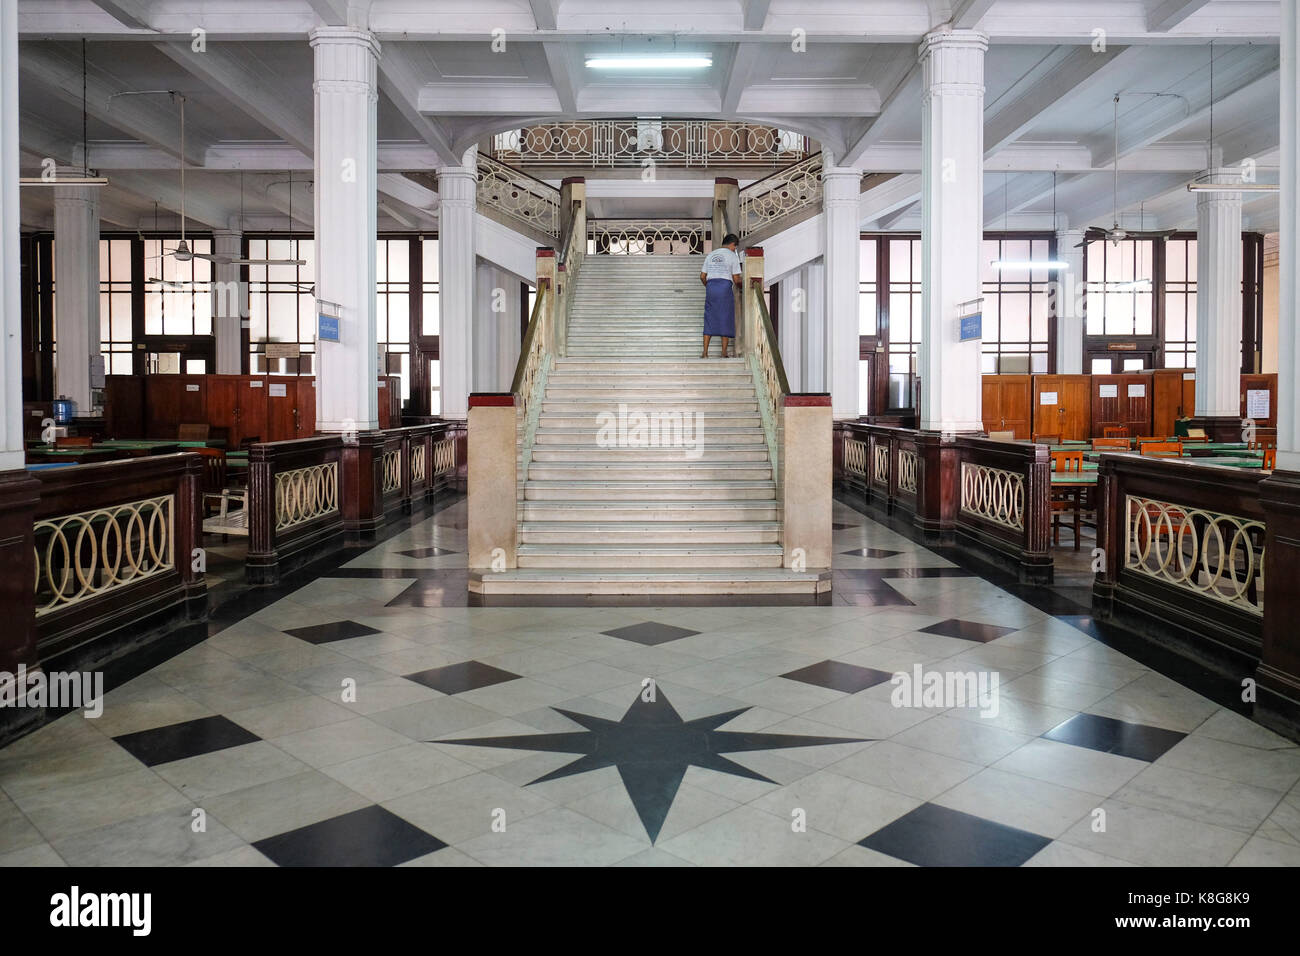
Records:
x=137, y=443
x=1074, y=477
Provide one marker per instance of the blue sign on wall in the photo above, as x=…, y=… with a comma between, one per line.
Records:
x=328, y=328
x=972, y=326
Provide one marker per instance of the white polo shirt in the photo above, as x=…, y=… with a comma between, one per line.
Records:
x=721, y=264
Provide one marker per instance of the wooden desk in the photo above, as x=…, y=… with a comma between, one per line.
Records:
x=75, y=455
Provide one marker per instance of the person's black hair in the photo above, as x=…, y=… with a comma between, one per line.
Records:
x=729, y=238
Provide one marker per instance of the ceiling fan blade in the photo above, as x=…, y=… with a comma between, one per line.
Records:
x=268, y=262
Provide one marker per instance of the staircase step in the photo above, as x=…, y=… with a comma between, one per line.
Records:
x=710, y=556
x=647, y=581
x=704, y=489
x=649, y=532
x=691, y=511
x=683, y=470
x=708, y=452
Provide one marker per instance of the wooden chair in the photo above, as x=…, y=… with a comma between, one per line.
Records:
x=74, y=441
x=192, y=432
x=1047, y=439
x=1194, y=439
x=1112, y=444
x=1002, y=436
x=1115, y=431
x=217, y=492
x=1260, y=444
x=1270, y=459
x=1161, y=449
x=1067, y=502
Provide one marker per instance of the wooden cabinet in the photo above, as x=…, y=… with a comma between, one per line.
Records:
x=1260, y=382
x=1122, y=401
x=1006, y=402
x=1061, y=406
x=1173, y=396
x=124, y=405
x=237, y=404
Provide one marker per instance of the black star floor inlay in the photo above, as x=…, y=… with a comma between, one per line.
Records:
x=371, y=836
x=427, y=552
x=189, y=738
x=967, y=630
x=837, y=675
x=458, y=678
x=932, y=835
x=1111, y=736
x=651, y=747
x=871, y=553
x=333, y=631
x=650, y=633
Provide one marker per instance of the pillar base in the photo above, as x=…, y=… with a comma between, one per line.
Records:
x=1218, y=427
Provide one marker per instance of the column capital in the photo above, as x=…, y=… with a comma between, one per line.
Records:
x=344, y=36
x=946, y=38
x=1220, y=176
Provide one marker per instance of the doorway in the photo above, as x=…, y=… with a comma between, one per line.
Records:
x=1119, y=363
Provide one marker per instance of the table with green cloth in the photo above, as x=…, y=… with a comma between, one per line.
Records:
x=140, y=447
x=79, y=454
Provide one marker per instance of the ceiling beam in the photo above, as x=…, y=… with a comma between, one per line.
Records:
x=740, y=72
x=559, y=61
x=129, y=13
x=233, y=72
x=1134, y=189
x=966, y=14
x=400, y=81
x=893, y=105
x=1170, y=13
x=150, y=119
x=543, y=13
x=755, y=17
x=165, y=190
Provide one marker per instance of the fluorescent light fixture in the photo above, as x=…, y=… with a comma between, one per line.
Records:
x=65, y=181
x=669, y=61
x=1046, y=265
x=1234, y=188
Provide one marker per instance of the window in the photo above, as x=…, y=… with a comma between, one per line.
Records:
x=116, y=341
x=868, y=307
x=905, y=319
x=1119, y=283
x=429, y=316
x=177, y=294
x=435, y=386
x=282, y=305
x=393, y=309
x=1014, y=325
x=1180, y=303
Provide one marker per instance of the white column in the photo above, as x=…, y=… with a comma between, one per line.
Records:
x=1288, y=342
x=841, y=187
x=816, y=334
x=1069, y=300
x=76, y=289
x=952, y=218
x=229, y=303
x=11, y=356
x=346, y=97
x=792, y=319
x=495, y=330
x=1218, y=298
x=457, y=200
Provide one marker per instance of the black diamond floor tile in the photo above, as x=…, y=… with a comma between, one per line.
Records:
x=871, y=553
x=458, y=678
x=1111, y=736
x=187, y=739
x=427, y=552
x=837, y=675
x=840, y=526
x=371, y=836
x=932, y=835
x=333, y=631
x=967, y=630
x=650, y=633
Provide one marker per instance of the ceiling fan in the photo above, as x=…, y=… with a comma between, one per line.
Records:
x=1116, y=233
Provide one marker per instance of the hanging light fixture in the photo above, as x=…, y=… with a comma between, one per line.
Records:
x=1014, y=265
x=85, y=179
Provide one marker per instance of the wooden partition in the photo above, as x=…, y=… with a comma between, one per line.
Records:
x=1122, y=401
x=1173, y=396
x=238, y=407
x=295, y=491
x=114, y=557
x=1008, y=404
x=1062, y=406
x=1265, y=383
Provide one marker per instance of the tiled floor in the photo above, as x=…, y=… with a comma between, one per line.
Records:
x=372, y=718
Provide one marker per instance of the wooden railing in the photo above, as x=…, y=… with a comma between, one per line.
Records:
x=115, y=548
x=295, y=505
x=1183, y=545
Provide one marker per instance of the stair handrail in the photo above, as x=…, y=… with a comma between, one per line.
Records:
x=780, y=194
x=768, y=370
x=514, y=193
x=536, y=353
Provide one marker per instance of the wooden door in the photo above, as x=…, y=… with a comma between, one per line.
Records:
x=1061, y=406
x=306, y=406
x=193, y=400
x=223, y=408
x=1123, y=401
x=1173, y=396
x=162, y=406
x=1006, y=404
x=282, y=414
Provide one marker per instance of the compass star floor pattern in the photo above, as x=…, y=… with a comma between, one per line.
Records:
x=652, y=747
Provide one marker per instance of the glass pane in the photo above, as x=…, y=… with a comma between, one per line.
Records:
x=1142, y=319
x=866, y=313
x=900, y=321
x=284, y=319
x=399, y=318
x=899, y=396
x=1101, y=366
x=864, y=387
x=900, y=260
x=429, y=253
x=866, y=261
x=1191, y=317
x=196, y=366
x=1175, y=260
x=399, y=261
x=1175, y=318
x=1015, y=318
x=120, y=304
x=989, y=363
x=1134, y=364
x=429, y=322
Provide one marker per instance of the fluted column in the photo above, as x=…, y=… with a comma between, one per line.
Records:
x=345, y=190
x=841, y=187
x=11, y=367
x=952, y=225
x=76, y=289
x=457, y=201
x=1218, y=306
x=1068, y=302
x=229, y=303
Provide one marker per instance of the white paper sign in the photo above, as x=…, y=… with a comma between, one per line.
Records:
x=1108, y=391
x=1257, y=403
x=1137, y=391
x=278, y=391
x=256, y=383
x=191, y=388
x=1189, y=376
x=1046, y=398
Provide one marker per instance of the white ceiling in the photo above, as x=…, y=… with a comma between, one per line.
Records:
x=853, y=85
